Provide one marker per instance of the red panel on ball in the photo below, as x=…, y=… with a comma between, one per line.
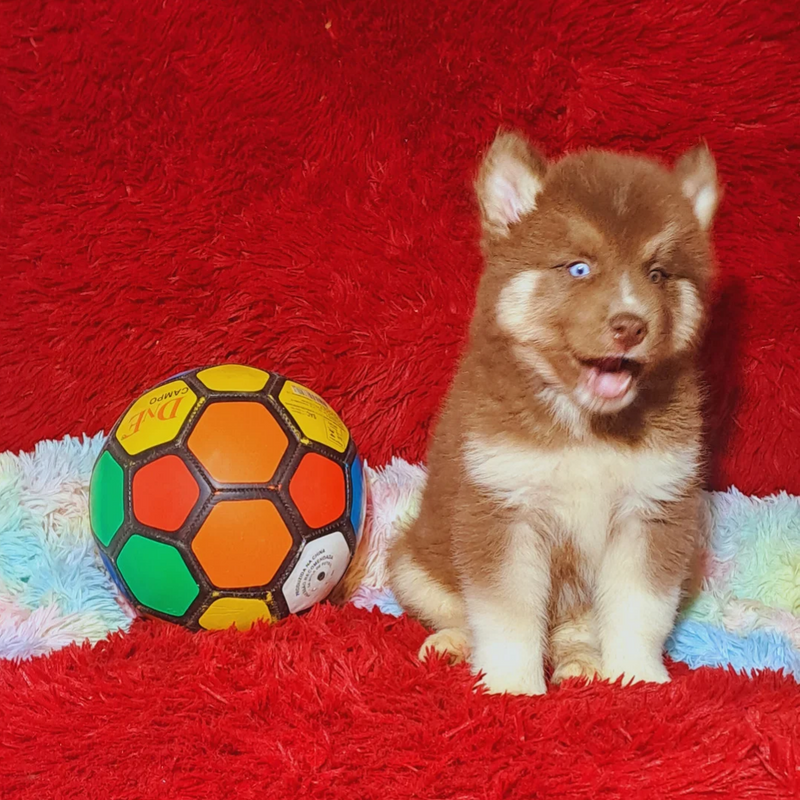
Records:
x=318, y=490
x=164, y=493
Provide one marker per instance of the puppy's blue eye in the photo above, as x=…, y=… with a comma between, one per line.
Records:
x=579, y=270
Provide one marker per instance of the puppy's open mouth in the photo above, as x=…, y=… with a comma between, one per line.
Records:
x=609, y=378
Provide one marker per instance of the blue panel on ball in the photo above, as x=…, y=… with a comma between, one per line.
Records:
x=357, y=511
x=112, y=571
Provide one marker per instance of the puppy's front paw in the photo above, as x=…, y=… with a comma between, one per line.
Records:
x=501, y=682
x=644, y=672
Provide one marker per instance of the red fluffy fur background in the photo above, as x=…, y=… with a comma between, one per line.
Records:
x=287, y=183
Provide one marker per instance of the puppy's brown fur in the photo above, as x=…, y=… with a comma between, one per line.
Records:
x=562, y=505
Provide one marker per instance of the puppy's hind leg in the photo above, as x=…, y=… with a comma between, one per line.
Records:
x=574, y=646
x=432, y=603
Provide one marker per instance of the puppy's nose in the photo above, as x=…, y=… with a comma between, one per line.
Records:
x=629, y=330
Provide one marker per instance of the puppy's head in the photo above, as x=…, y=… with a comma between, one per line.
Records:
x=597, y=265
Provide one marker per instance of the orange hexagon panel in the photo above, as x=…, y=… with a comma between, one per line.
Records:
x=164, y=492
x=238, y=442
x=318, y=490
x=242, y=543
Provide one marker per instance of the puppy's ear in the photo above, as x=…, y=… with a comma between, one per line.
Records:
x=697, y=174
x=510, y=178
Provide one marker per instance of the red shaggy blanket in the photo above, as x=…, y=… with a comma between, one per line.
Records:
x=287, y=184
x=334, y=706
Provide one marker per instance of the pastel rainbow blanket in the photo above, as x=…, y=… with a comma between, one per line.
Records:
x=54, y=590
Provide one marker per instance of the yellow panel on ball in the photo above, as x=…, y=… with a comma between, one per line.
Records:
x=239, y=611
x=234, y=378
x=156, y=417
x=315, y=418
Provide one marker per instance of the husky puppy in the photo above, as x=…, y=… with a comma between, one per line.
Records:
x=563, y=504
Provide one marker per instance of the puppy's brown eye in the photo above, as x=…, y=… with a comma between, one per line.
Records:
x=657, y=275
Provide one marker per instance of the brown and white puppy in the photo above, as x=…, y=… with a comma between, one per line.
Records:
x=563, y=501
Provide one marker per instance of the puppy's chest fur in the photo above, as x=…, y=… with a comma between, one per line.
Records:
x=583, y=489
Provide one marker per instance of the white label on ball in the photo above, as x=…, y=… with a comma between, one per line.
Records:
x=321, y=566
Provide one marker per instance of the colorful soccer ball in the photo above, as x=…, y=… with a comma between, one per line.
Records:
x=226, y=495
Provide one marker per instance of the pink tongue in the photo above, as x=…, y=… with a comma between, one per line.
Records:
x=608, y=385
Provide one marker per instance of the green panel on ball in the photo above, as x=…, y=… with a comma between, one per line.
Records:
x=106, y=498
x=157, y=575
